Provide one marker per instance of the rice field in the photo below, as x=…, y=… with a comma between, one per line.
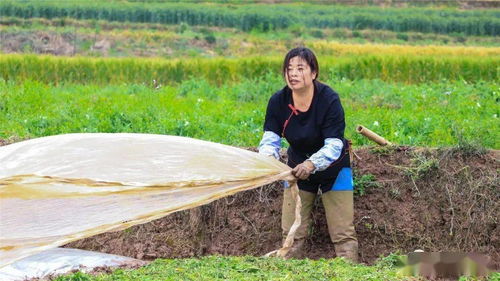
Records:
x=408, y=69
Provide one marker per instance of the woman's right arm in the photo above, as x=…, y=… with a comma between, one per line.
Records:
x=270, y=144
x=271, y=141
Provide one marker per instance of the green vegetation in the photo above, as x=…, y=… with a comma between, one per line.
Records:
x=407, y=69
x=364, y=182
x=466, y=146
x=268, y=17
x=422, y=166
x=247, y=268
x=426, y=114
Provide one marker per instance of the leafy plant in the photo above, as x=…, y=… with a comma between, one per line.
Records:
x=364, y=182
x=245, y=268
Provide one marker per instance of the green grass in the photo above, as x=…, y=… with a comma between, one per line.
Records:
x=246, y=268
x=429, y=114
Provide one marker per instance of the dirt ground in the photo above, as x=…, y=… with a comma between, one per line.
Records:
x=414, y=198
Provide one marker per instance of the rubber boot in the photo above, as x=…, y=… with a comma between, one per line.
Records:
x=348, y=250
x=288, y=217
x=296, y=251
x=339, y=210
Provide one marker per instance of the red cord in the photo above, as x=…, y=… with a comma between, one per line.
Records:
x=294, y=111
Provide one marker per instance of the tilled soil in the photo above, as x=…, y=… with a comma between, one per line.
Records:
x=429, y=199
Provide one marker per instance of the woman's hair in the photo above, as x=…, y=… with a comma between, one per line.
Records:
x=304, y=53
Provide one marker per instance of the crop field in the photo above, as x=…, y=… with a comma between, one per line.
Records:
x=248, y=17
x=394, y=68
x=425, y=76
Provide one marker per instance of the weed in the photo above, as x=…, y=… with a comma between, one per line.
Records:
x=363, y=183
x=425, y=165
x=467, y=147
x=383, y=150
x=391, y=261
x=422, y=166
x=210, y=38
x=78, y=276
x=395, y=193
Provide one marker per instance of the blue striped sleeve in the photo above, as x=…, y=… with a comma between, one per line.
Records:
x=270, y=144
x=327, y=154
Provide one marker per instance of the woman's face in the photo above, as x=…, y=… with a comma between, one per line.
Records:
x=298, y=74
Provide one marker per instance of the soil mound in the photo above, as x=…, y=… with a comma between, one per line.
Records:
x=406, y=199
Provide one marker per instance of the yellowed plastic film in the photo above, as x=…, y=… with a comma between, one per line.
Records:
x=58, y=189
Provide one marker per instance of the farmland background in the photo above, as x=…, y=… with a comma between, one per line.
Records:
x=420, y=73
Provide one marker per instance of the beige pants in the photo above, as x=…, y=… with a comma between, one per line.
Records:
x=339, y=209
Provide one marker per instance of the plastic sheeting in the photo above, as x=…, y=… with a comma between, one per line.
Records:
x=61, y=261
x=58, y=189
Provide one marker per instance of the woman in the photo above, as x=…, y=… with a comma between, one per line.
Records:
x=311, y=118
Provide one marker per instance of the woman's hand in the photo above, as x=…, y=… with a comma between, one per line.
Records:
x=303, y=170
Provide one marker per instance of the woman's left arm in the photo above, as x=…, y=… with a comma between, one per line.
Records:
x=327, y=154
x=333, y=131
